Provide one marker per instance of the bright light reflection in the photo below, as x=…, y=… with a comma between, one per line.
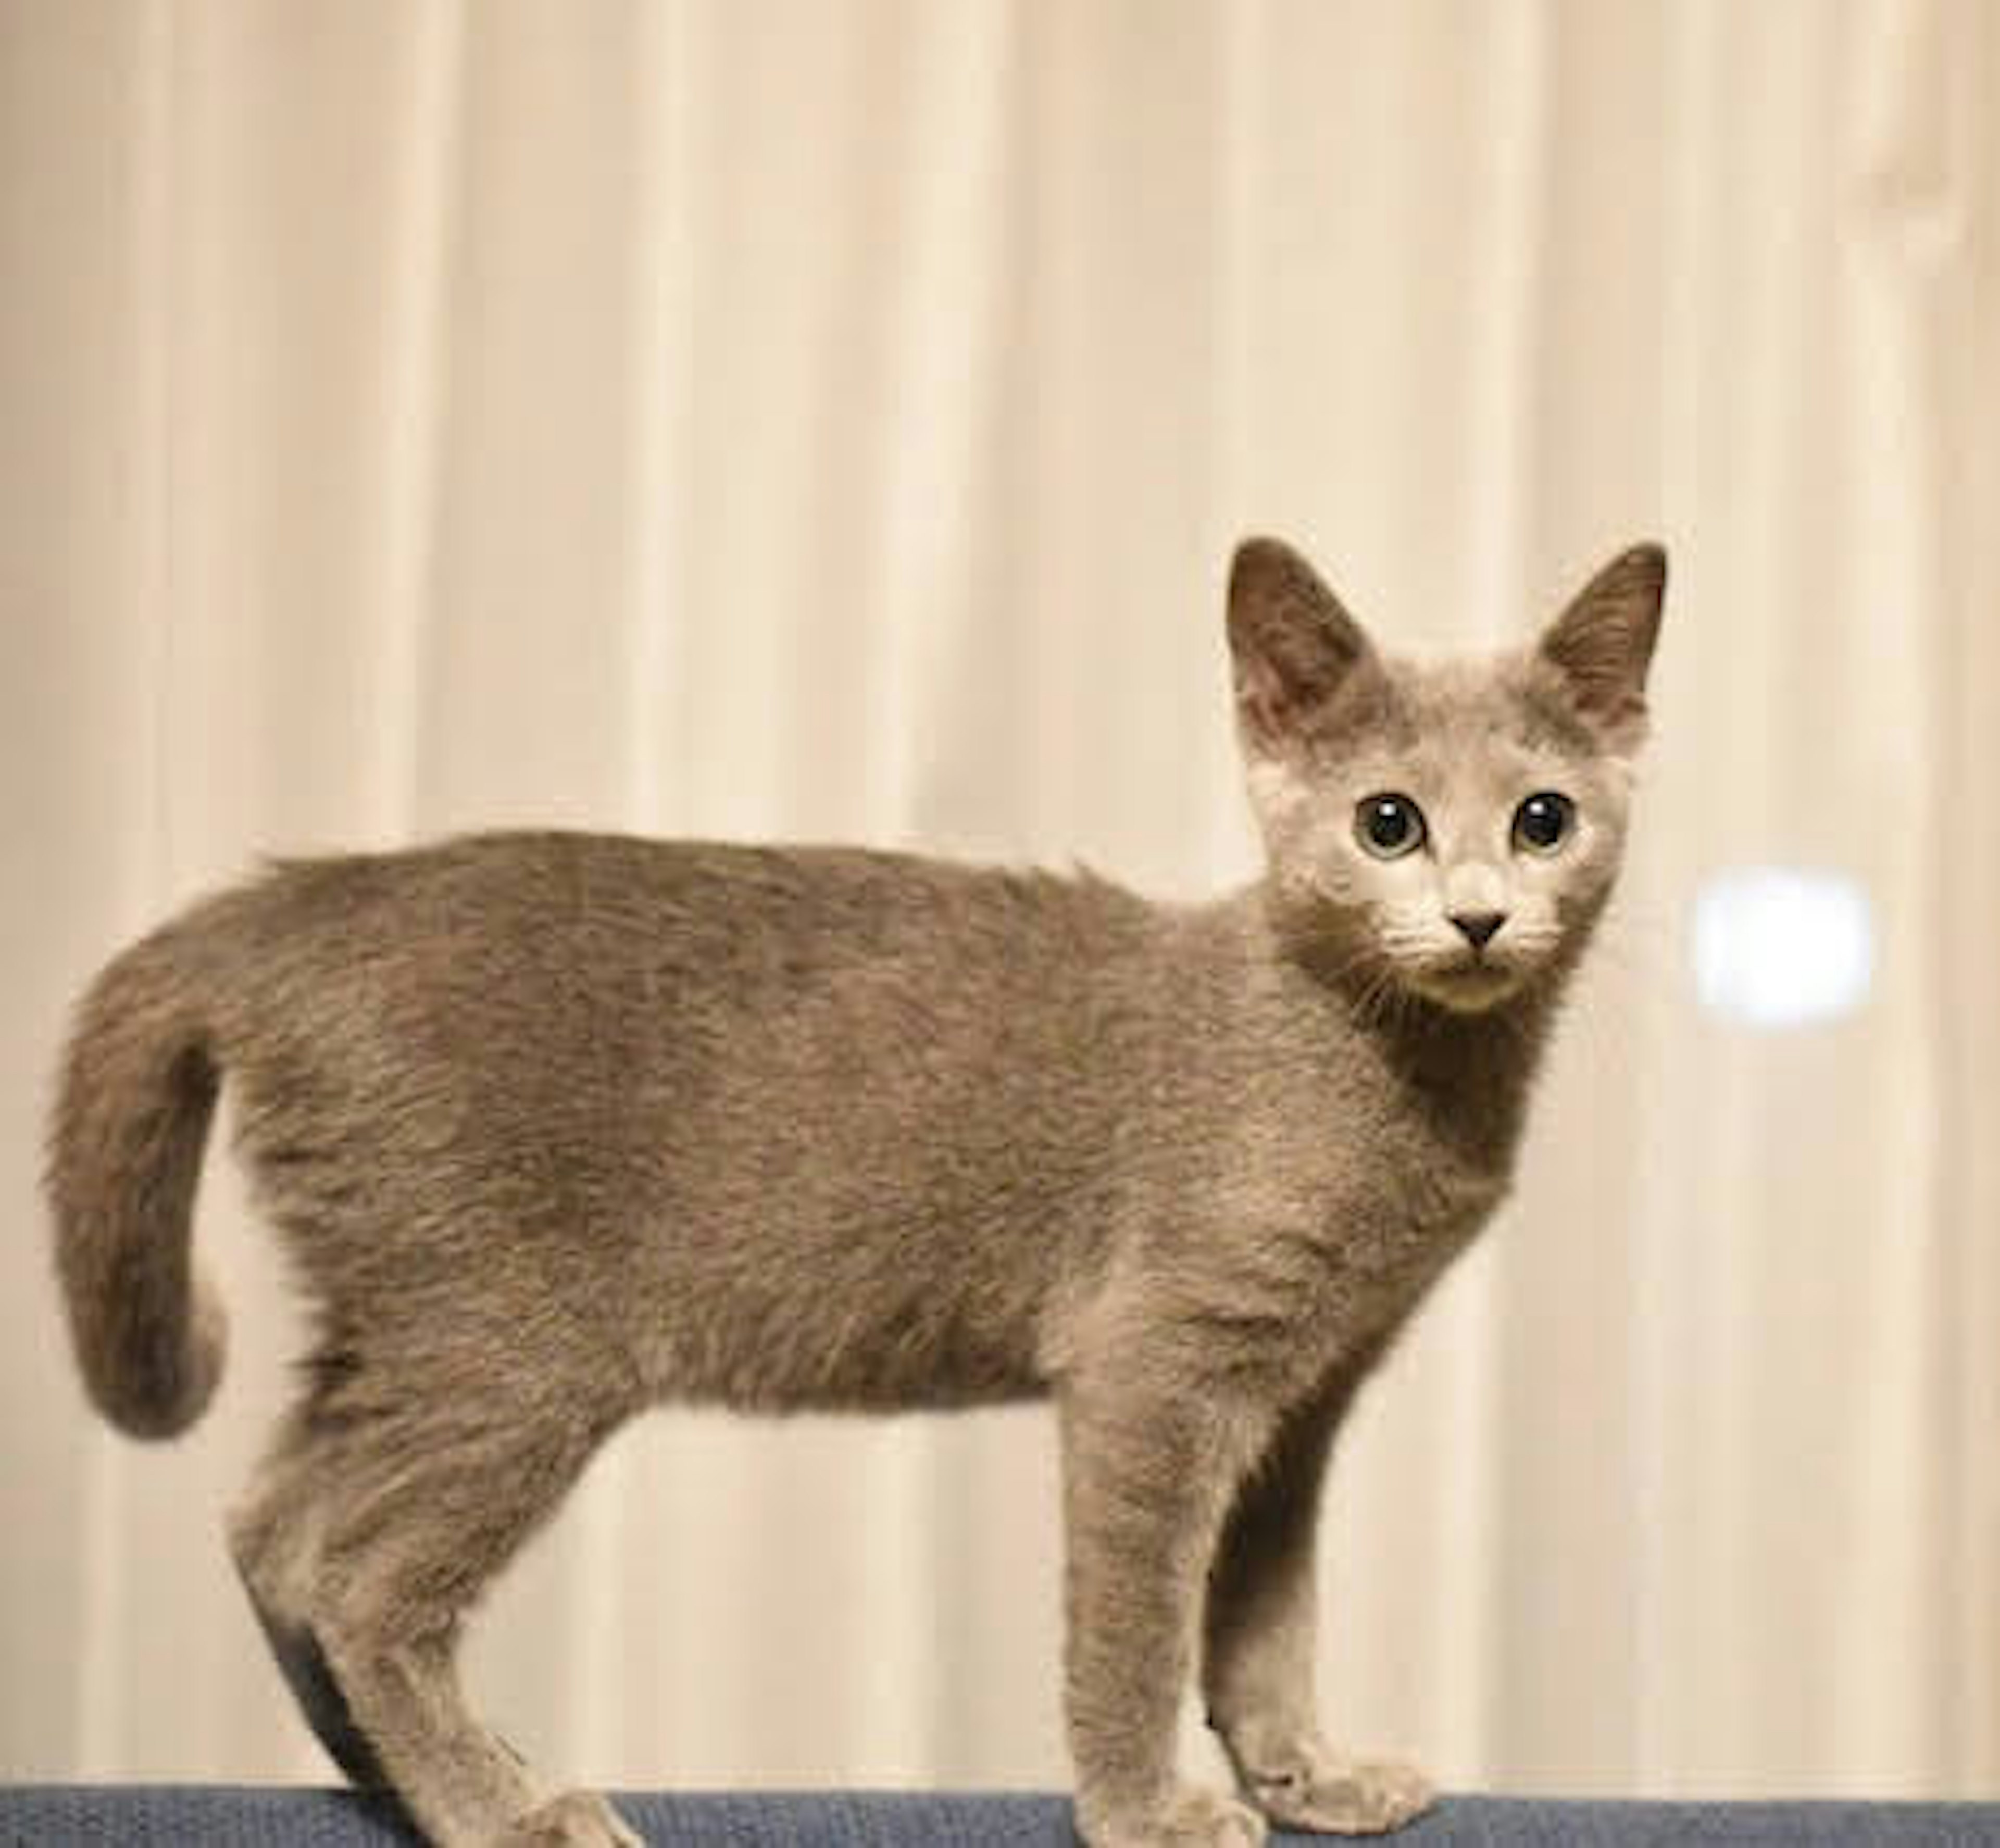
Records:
x=1776, y=946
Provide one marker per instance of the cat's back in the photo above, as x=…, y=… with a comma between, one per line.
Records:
x=752, y=917
x=567, y=974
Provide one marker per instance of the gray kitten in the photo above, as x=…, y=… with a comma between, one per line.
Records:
x=560, y=1127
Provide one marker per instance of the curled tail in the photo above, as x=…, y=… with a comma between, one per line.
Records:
x=137, y=1093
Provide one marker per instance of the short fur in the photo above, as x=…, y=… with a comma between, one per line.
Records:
x=558, y=1127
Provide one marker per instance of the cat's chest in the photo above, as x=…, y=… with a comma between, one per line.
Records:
x=1402, y=1176
x=1409, y=1213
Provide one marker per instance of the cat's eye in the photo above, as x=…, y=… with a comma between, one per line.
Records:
x=1389, y=826
x=1542, y=823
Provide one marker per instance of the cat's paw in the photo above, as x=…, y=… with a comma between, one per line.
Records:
x=575, y=1819
x=1192, y=1818
x=1323, y=1793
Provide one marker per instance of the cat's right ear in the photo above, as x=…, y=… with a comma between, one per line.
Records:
x=1293, y=646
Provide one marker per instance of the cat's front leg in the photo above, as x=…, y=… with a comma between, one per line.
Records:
x=1150, y=1467
x=1258, y=1662
x=1299, y=1781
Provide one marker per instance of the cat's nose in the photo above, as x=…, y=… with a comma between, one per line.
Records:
x=1479, y=928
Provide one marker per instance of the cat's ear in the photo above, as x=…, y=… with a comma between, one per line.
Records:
x=1603, y=643
x=1293, y=645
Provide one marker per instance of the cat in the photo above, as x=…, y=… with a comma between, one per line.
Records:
x=559, y=1127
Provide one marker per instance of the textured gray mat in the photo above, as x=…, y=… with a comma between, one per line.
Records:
x=220, y=1817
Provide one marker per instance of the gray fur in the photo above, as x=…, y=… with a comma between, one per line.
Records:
x=557, y=1128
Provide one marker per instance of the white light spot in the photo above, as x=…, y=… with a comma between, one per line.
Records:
x=1777, y=947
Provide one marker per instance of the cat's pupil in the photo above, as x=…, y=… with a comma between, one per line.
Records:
x=1392, y=824
x=1542, y=820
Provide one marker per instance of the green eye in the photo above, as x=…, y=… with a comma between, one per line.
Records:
x=1542, y=823
x=1389, y=826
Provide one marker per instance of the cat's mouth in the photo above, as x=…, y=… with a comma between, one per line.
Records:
x=1468, y=984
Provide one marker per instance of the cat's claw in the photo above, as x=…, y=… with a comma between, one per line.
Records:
x=1192, y=1817
x=1331, y=1795
x=575, y=1819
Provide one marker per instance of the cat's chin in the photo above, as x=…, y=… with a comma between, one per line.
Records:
x=1465, y=988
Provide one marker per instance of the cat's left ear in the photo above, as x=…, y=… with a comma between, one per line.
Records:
x=1603, y=643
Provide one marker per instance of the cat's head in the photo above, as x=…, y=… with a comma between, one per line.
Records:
x=1450, y=832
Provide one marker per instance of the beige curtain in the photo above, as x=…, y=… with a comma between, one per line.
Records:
x=830, y=419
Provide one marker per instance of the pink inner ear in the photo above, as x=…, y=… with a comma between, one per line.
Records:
x=1263, y=699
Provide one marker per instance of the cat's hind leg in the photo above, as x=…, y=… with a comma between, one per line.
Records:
x=368, y=1534
x=288, y=1630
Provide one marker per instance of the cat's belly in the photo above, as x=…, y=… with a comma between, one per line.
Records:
x=829, y=1362
x=866, y=1326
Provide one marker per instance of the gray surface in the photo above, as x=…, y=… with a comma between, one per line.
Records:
x=235, y=1818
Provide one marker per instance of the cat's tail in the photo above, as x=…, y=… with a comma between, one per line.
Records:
x=132, y=1111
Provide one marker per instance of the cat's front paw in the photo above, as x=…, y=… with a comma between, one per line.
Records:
x=1192, y=1818
x=1319, y=1790
x=575, y=1819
